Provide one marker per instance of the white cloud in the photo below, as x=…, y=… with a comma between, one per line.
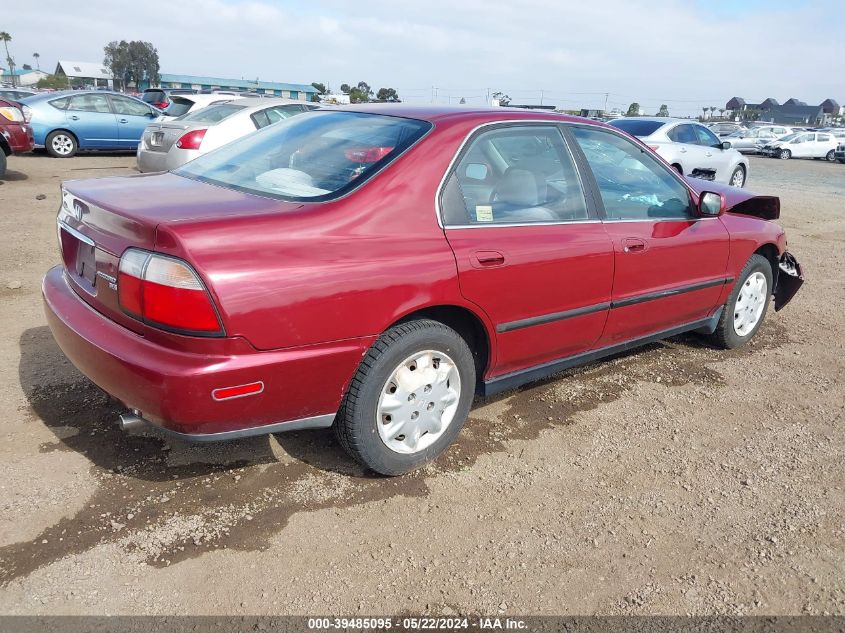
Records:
x=652, y=52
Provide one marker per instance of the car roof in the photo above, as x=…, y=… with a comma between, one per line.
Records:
x=41, y=96
x=436, y=113
x=260, y=101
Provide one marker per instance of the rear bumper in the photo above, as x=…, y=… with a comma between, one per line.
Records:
x=150, y=161
x=172, y=387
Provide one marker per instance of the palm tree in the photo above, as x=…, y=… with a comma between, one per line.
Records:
x=6, y=38
x=712, y=110
x=704, y=109
x=37, y=63
x=722, y=112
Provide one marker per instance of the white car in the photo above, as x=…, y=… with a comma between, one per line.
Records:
x=749, y=140
x=180, y=105
x=689, y=147
x=167, y=145
x=803, y=145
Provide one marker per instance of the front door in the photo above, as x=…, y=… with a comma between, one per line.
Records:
x=669, y=264
x=132, y=119
x=529, y=251
x=715, y=157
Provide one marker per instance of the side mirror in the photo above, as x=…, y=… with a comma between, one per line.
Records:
x=711, y=205
x=725, y=145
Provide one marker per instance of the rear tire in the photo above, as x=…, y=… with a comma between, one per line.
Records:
x=61, y=144
x=747, y=305
x=785, y=154
x=678, y=169
x=409, y=398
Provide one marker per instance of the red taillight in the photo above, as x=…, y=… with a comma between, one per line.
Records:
x=653, y=148
x=161, y=105
x=191, y=140
x=165, y=292
x=367, y=154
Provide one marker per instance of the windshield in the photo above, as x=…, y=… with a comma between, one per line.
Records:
x=637, y=127
x=314, y=156
x=212, y=114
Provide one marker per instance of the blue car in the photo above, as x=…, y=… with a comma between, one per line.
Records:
x=66, y=122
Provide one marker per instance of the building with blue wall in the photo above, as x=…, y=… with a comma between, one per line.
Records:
x=303, y=92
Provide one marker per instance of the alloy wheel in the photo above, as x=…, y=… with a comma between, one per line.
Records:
x=62, y=144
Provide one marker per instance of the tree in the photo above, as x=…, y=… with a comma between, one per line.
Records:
x=387, y=94
x=501, y=97
x=56, y=82
x=722, y=112
x=134, y=61
x=712, y=110
x=320, y=88
x=344, y=88
x=664, y=110
x=704, y=109
x=37, y=57
x=6, y=38
x=633, y=109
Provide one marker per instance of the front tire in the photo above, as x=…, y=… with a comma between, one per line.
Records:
x=785, y=154
x=830, y=156
x=746, y=307
x=738, y=177
x=409, y=398
x=61, y=144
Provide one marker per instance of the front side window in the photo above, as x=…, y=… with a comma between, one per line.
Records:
x=316, y=156
x=706, y=137
x=130, y=107
x=683, y=134
x=632, y=183
x=514, y=175
x=89, y=103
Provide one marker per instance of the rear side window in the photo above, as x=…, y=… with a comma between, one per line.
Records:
x=60, y=104
x=632, y=183
x=637, y=127
x=316, y=156
x=268, y=116
x=212, y=114
x=514, y=175
x=89, y=103
x=683, y=134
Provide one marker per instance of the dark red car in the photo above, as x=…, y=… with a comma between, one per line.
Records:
x=373, y=268
x=15, y=133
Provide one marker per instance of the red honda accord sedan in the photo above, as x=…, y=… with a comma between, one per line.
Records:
x=373, y=268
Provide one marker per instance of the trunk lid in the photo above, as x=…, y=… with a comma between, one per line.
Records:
x=101, y=218
x=162, y=135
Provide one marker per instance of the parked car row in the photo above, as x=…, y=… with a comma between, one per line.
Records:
x=803, y=145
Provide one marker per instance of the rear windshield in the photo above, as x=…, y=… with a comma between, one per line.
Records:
x=315, y=156
x=637, y=127
x=153, y=96
x=213, y=113
x=179, y=106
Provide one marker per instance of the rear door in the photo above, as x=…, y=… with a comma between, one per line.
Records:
x=530, y=252
x=669, y=264
x=90, y=118
x=133, y=117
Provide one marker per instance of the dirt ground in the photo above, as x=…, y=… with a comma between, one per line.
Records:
x=675, y=479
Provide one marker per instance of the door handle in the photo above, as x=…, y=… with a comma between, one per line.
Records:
x=123, y=120
x=487, y=259
x=709, y=154
x=73, y=117
x=633, y=245
x=683, y=150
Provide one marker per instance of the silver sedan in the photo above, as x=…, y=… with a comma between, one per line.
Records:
x=750, y=140
x=167, y=145
x=689, y=147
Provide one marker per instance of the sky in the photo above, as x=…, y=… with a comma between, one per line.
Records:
x=686, y=54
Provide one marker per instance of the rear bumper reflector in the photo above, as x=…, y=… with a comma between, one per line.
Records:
x=239, y=391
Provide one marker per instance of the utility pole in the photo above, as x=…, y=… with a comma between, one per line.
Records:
x=606, y=95
x=541, y=97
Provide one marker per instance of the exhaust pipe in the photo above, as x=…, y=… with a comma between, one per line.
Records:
x=131, y=420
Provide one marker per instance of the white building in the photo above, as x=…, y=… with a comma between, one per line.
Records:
x=83, y=74
x=23, y=76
